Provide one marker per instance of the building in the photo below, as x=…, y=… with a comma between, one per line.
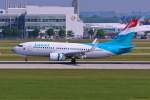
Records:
x=75, y=4
x=43, y=18
x=107, y=27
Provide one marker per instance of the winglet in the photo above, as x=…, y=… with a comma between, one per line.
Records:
x=134, y=23
x=94, y=42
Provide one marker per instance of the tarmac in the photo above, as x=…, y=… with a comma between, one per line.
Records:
x=80, y=65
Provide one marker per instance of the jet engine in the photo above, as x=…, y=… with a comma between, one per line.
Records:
x=57, y=57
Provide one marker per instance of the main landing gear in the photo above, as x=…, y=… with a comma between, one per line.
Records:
x=26, y=58
x=73, y=60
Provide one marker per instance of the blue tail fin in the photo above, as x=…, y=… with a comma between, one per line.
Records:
x=122, y=43
x=126, y=36
x=119, y=45
x=124, y=39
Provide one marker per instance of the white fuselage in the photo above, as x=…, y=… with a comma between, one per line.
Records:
x=46, y=48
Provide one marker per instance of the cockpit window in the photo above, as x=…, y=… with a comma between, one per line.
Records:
x=20, y=45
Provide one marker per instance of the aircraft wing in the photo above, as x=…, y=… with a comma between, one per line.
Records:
x=79, y=54
x=76, y=54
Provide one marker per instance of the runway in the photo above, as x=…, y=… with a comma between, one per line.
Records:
x=79, y=65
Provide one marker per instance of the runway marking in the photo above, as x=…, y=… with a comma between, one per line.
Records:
x=78, y=62
x=80, y=65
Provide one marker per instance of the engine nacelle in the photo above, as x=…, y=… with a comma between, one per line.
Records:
x=57, y=57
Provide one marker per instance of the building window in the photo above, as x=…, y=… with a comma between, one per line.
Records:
x=44, y=20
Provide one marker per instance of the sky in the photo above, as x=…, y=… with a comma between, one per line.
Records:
x=96, y=5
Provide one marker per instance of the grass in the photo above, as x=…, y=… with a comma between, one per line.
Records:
x=114, y=58
x=74, y=85
x=123, y=58
x=141, y=51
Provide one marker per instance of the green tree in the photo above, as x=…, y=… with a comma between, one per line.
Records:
x=100, y=33
x=62, y=33
x=34, y=33
x=13, y=32
x=6, y=32
x=50, y=32
x=16, y=32
x=91, y=33
x=70, y=34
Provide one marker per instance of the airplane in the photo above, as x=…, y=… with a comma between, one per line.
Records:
x=57, y=51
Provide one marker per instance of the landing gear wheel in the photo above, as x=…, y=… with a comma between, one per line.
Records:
x=73, y=60
x=26, y=59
